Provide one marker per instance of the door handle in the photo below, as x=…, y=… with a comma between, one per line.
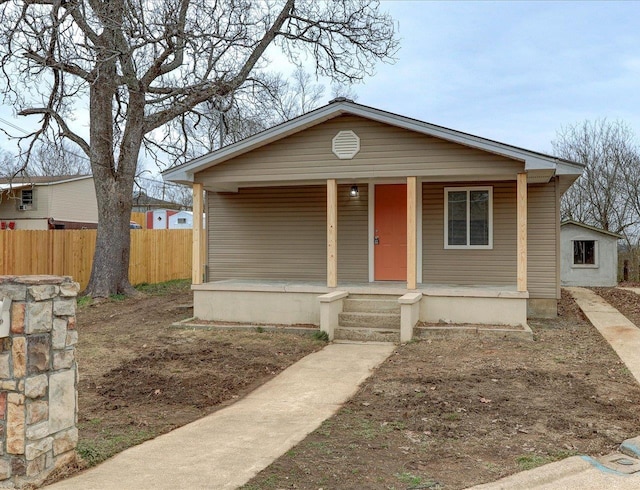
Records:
x=376, y=240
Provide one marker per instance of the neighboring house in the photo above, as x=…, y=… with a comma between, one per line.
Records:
x=589, y=255
x=181, y=220
x=349, y=200
x=169, y=219
x=158, y=219
x=143, y=203
x=41, y=203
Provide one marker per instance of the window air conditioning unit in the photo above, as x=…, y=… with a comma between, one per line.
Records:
x=23, y=207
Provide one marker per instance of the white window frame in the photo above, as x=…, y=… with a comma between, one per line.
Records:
x=596, y=254
x=489, y=246
x=30, y=203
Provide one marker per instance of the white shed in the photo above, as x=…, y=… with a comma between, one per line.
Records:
x=180, y=220
x=588, y=255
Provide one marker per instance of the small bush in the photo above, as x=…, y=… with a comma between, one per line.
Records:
x=90, y=454
x=321, y=336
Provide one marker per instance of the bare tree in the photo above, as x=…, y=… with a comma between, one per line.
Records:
x=9, y=165
x=146, y=66
x=297, y=96
x=252, y=109
x=58, y=159
x=46, y=160
x=165, y=191
x=601, y=196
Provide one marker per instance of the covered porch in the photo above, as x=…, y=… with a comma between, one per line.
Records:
x=412, y=266
x=255, y=300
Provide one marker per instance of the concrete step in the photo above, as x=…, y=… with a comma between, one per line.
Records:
x=369, y=320
x=368, y=334
x=371, y=305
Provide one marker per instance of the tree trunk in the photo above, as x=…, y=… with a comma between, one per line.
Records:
x=110, y=270
x=114, y=193
x=113, y=182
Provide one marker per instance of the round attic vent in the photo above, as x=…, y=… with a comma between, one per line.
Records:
x=346, y=145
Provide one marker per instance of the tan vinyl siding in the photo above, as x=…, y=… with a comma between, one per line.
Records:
x=353, y=245
x=40, y=209
x=386, y=151
x=268, y=233
x=542, y=239
x=280, y=233
x=469, y=267
x=74, y=201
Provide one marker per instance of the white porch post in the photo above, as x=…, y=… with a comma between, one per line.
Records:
x=332, y=233
x=412, y=261
x=198, y=242
x=522, y=231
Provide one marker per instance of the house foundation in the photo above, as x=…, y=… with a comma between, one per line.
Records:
x=293, y=303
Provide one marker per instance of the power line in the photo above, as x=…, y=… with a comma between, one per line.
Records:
x=10, y=124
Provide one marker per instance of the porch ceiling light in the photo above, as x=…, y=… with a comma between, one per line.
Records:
x=354, y=192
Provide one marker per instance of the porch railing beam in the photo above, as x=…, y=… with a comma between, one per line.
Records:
x=332, y=233
x=197, y=258
x=522, y=231
x=412, y=193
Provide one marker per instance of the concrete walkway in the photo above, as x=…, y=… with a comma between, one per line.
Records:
x=226, y=449
x=583, y=472
x=622, y=334
x=633, y=290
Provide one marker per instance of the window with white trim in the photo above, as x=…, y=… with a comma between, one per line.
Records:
x=468, y=217
x=26, y=199
x=585, y=253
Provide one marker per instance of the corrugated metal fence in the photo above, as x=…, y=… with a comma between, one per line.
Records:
x=156, y=255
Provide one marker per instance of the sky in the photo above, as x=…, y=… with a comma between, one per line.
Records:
x=515, y=72
x=511, y=71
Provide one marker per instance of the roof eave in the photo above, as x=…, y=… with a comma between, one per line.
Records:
x=184, y=174
x=592, y=228
x=532, y=160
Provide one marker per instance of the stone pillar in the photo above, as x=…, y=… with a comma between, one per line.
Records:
x=38, y=379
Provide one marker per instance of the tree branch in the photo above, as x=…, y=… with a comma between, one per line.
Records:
x=59, y=65
x=221, y=87
x=65, y=131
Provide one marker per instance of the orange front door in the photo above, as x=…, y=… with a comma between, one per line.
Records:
x=390, y=239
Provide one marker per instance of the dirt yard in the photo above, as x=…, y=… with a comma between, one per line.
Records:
x=140, y=377
x=451, y=413
x=441, y=413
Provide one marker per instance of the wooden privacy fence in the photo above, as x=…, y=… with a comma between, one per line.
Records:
x=156, y=255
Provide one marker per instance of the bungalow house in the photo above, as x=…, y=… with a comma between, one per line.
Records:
x=321, y=216
x=41, y=203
